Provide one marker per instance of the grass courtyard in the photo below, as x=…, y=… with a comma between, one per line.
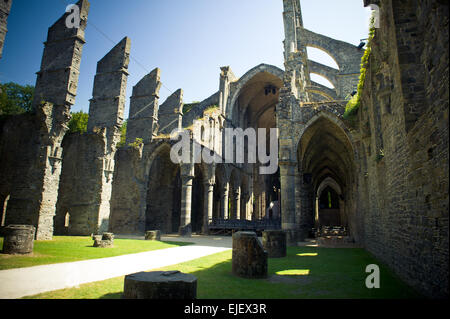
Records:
x=306, y=272
x=72, y=248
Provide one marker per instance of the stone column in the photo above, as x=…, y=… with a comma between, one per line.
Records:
x=237, y=203
x=224, y=199
x=287, y=180
x=37, y=175
x=106, y=111
x=208, y=205
x=144, y=107
x=5, y=8
x=187, y=178
x=316, y=213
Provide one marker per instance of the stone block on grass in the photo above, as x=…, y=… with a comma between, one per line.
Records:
x=153, y=235
x=19, y=239
x=160, y=285
x=249, y=259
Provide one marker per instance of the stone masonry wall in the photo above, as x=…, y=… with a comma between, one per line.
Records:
x=5, y=7
x=403, y=178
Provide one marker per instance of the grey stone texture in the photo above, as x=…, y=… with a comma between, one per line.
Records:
x=403, y=190
x=108, y=97
x=104, y=241
x=170, y=114
x=19, y=239
x=5, y=8
x=143, y=117
x=274, y=242
x=152, y=235
x=88, y=159
x=165, y=285
x=249, y=259
x=31, y=177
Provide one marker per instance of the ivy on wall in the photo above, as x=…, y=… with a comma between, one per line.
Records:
x=353, y=105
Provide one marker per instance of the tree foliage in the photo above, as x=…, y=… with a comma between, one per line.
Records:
x=78, y=122
x=15, y=98
x=123, y=134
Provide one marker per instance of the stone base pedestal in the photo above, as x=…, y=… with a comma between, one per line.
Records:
x=185, y=231
x=274, y=242
x=104, y=241
x=19, y=239
x=153, y=235
x=160, y=285
x=249, y=257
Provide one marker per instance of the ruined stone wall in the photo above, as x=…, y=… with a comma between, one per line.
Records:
x=32, y=177
x=80, y=184
x=403, y=124
x=5, y=7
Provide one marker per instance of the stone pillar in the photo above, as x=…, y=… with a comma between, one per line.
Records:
x=237, y=203
x=287, y=181
x=106, y=112
x=35, y=190
x=224, y=199
x=170, y=113
x=143, y=116
x=187, y=178
x=208, y=201
x=5, y=8
x=316, y=214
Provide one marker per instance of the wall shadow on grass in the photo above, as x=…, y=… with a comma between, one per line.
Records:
x=332, y=273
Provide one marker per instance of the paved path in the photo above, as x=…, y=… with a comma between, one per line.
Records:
x=21, y=282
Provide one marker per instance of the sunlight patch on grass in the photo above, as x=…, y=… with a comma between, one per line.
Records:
x=307, y=254
x=293, y=272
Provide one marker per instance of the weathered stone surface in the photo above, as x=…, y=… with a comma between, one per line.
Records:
x=32, y=180
x=403, y=190
x=143, y=116
x=249, y=259
x=86, y=197
x=274, y=242
x=19, y=239
x=104, y=241
x=185, y=231
x=108, y=236
x=170, y=113
x=160, y=285
x=153, y=235
x=5, y=8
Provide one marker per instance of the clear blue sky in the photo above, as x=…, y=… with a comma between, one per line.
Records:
x=189, y=40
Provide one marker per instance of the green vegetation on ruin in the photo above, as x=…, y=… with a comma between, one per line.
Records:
x=187, y=107
x=306, y=272
x=78, y=122
x=68, y=249
x=354, y=103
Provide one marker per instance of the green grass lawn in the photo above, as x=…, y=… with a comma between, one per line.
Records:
x=67, y=249
x=306, y=272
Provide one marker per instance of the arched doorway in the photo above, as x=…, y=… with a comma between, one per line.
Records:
x=326, y=166
x=163, y=194
x=253, y=106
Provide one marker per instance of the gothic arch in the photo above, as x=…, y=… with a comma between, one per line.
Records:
x=240, y=84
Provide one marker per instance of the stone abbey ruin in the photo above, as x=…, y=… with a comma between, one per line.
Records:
x=380, y=173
